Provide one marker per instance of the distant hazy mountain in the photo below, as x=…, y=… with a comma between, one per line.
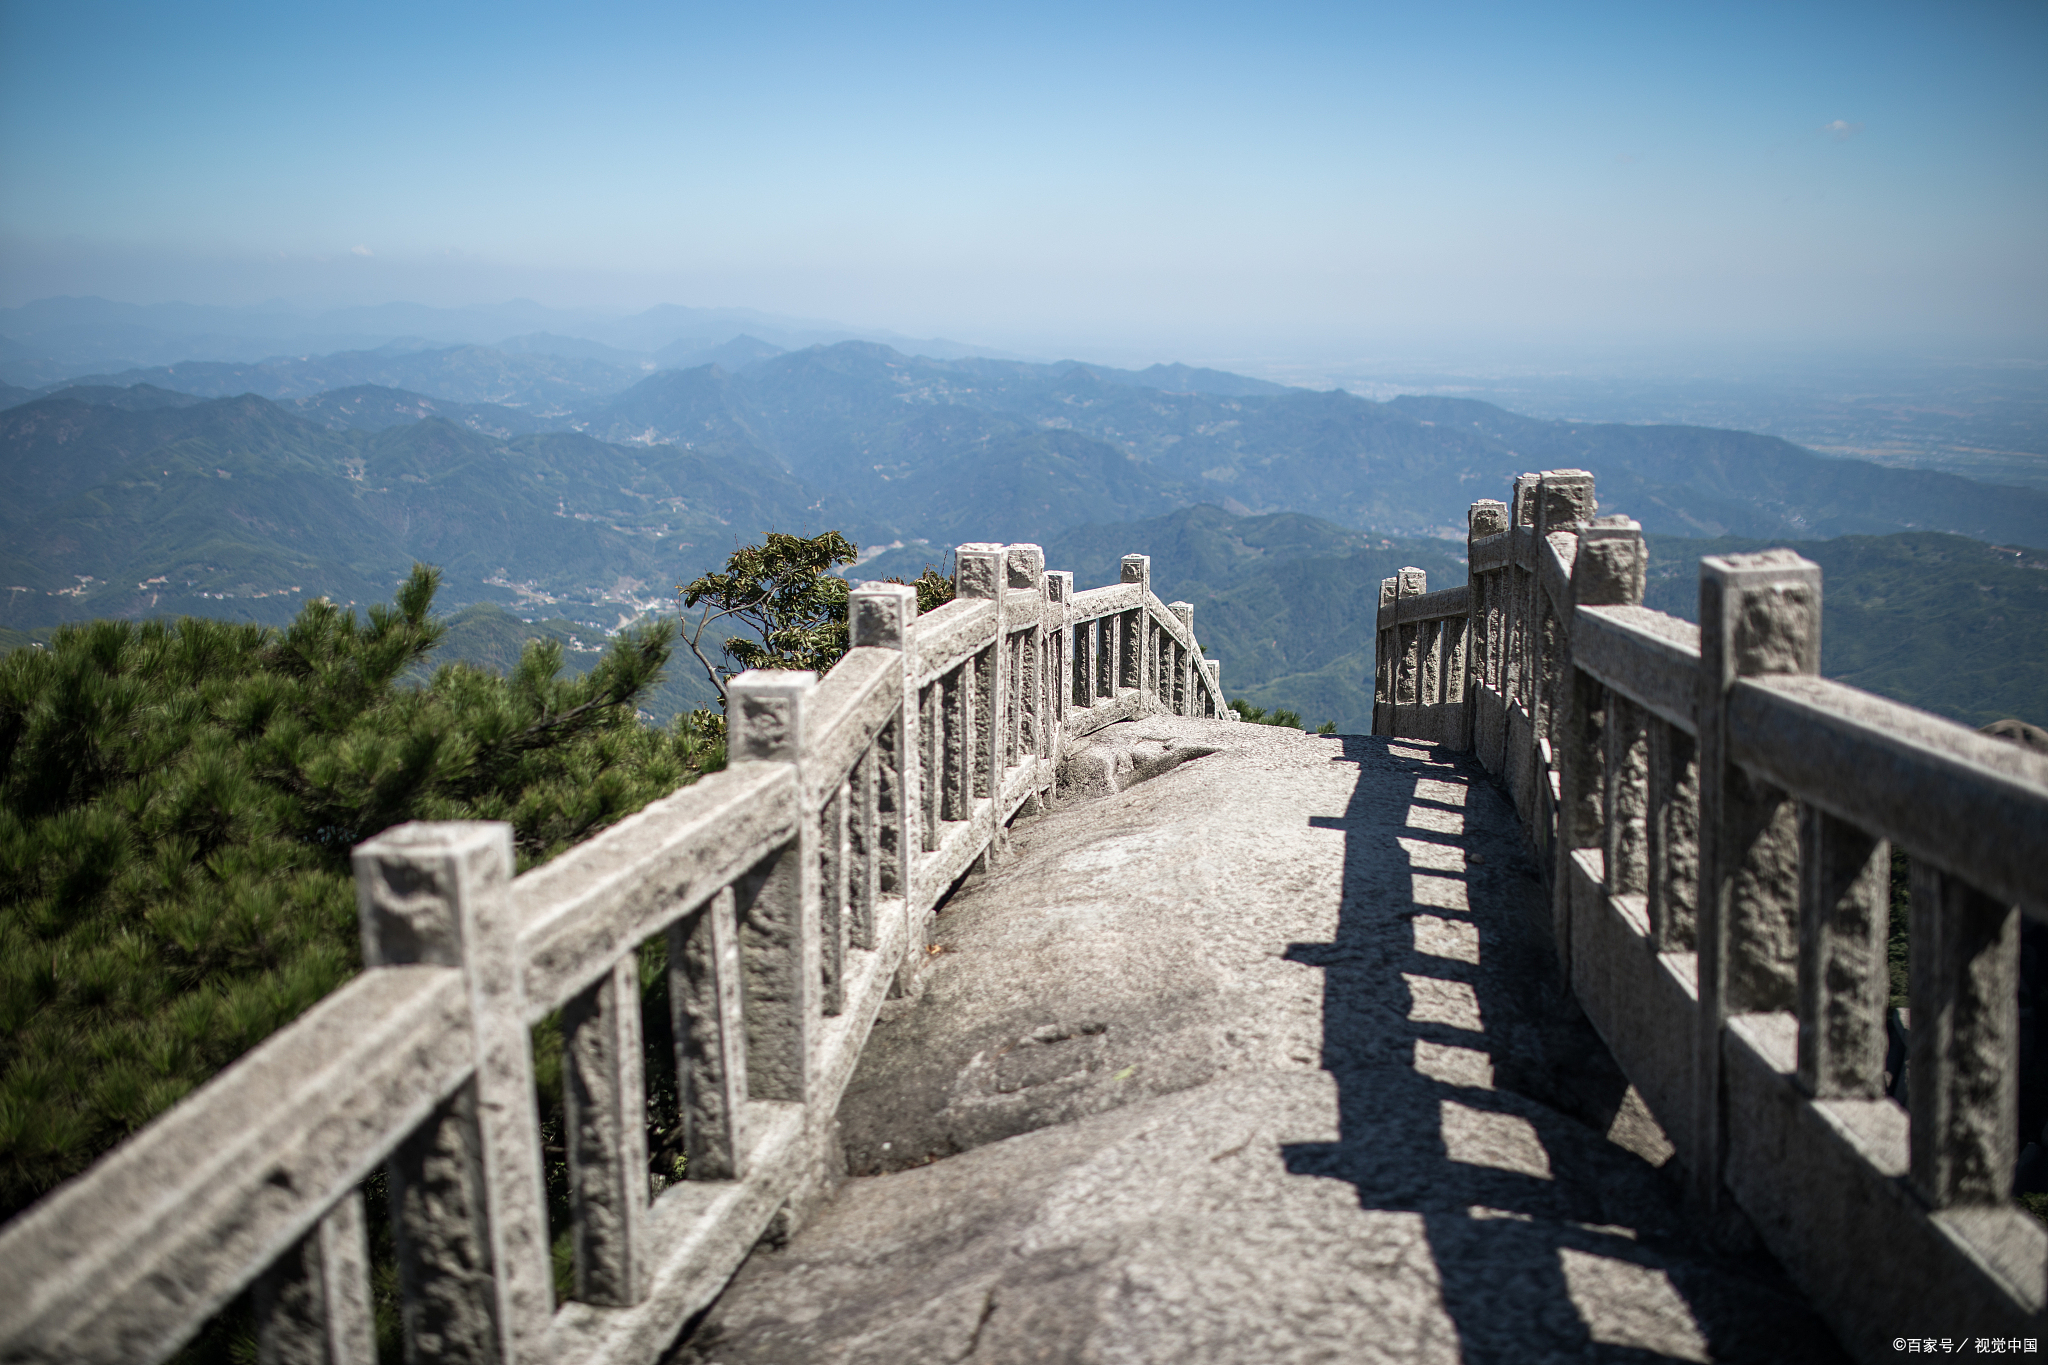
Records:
x=736, y=354
x=574, y=348
x=1177, y=378
x=371, y=407
x=50, y=340
x=239, y=507
x=132, y=398
x=462, y=374
x=1942, y=622
x=1288, y=602
x=860, y=422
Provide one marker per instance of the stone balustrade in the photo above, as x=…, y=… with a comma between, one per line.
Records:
x=1716, y=821
x=793, y=890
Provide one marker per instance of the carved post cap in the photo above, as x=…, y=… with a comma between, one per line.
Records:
x=1414, y=582
x=1390, y=589
x=412, y=880
x=1612, y=564
x=1059, y=585
x=1564, y=498
x=1025, y=565
x=1183, y=612
x=978, y=569
x=1138, y=569
x=1214, y=668
x=1759, y=614
x=880, y=614
x=1523, y=512
x=764, y=714
x=1488, y=516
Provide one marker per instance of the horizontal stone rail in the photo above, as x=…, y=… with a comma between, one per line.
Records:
x=1716, y=821
x=1430, y=606
x=794, y=891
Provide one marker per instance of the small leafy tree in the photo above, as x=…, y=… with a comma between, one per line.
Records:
x=782, y=590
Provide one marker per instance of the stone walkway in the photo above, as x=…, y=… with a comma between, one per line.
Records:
x=1262, y=1060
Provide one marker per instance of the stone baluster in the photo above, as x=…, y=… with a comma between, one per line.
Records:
x=1183, y=689
x=1963, y=985
x=776, y=903
x=313, y=1304
x=604, y=1104
x=708, y=1024
x=1844, y=911
x=468, y=1215
x=835, y=851
x=1759, y=615
x=1061, y=663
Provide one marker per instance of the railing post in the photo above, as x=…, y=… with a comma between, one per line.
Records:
x=1409, y=583
x=1759, y=614
x=1213, y=669
x=1608, y=570
x=1061, y=663
x=777, y=902
x=1564, y=501
x=1025, y=566
x=887, y=784
x=1386, y=650
x=468, y=1213
x=1518, y=742
x=1137, y=631
x=1487, y=517
x=1963, y=982
x=313, y=1304
x=1182, y=700
x=980, y=571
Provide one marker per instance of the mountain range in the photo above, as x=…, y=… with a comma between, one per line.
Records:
x=57, y=338
x=567, y=487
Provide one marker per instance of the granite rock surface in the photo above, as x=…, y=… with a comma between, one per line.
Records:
x=1261, y=1059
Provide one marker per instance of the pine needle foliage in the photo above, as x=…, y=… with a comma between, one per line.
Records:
x=177, y=805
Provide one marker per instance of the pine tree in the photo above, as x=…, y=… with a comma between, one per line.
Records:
x=177, y=805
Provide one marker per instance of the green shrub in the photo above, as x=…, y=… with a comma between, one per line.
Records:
x=1279, y=715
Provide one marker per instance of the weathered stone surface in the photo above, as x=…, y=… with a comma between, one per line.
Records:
x=1261, y=1060
x=1122, y=755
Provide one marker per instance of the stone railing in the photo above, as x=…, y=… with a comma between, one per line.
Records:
x=793, y=889
x=1716, y=822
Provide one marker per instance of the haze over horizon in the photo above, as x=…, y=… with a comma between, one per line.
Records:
x=1140, y=184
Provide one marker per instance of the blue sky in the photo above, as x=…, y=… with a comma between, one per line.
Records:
x=1181, y=178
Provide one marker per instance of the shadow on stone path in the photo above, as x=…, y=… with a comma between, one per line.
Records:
x=1261, y=1060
